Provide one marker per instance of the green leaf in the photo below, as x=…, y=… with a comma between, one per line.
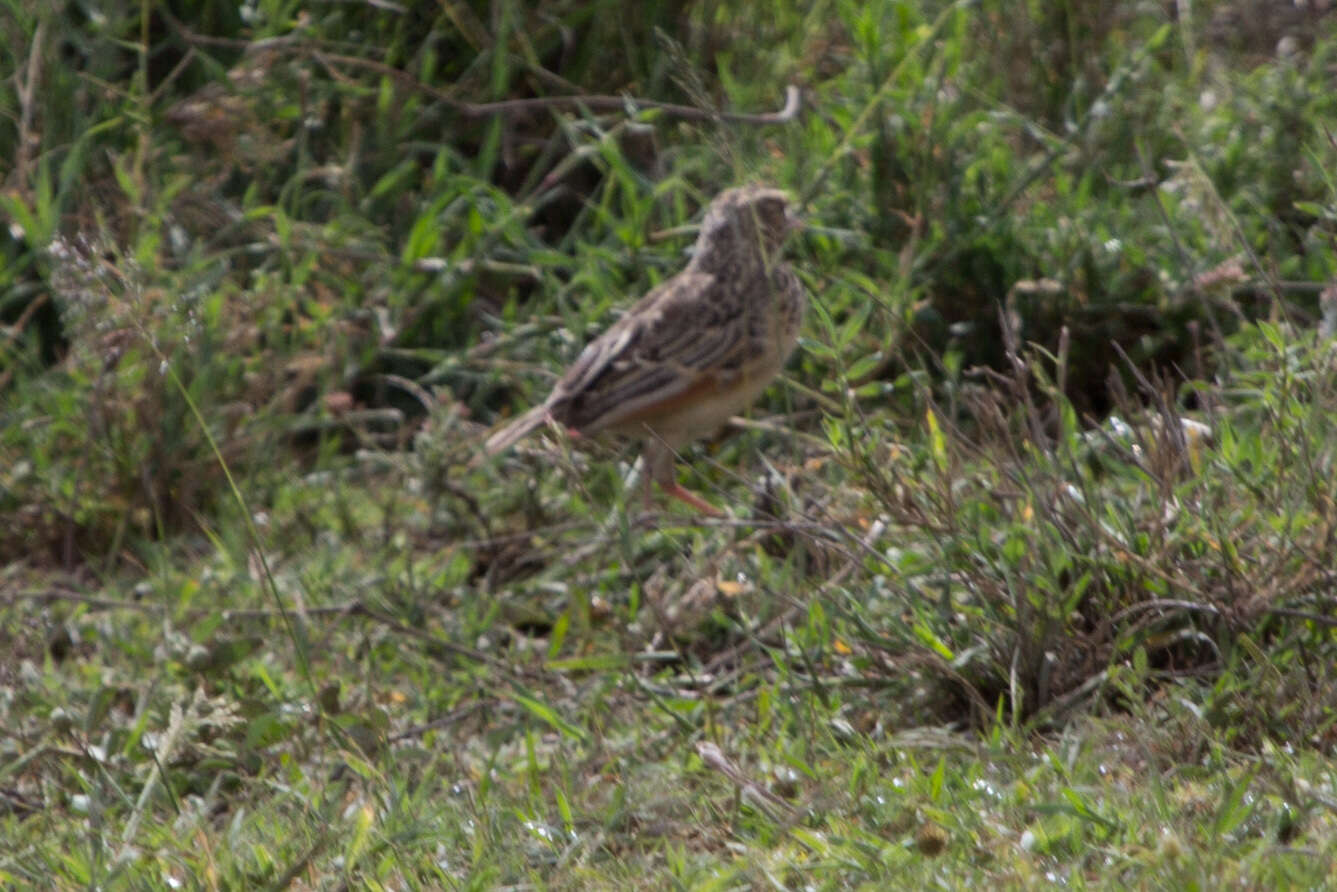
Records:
x=1234, y=810
x=1314, y=209
x=396, y=180
x=549, y=715
x=593, y=663
x=937, y=441
x=928, y=637
x=564, y=809
x=558, y=635
x=266, y=729
x=935, y=782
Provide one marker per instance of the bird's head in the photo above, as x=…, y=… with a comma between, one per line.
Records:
x=748, y=221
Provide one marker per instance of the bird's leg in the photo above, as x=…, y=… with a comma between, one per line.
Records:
x=659, y=467
x=679, y=492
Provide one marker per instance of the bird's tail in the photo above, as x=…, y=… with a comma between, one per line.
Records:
x=517, y=430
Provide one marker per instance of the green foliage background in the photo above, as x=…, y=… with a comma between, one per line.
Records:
x=1029, y=571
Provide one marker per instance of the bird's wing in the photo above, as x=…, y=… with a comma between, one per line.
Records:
x=681, y=338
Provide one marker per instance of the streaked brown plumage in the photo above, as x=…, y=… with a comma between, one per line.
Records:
x=694, y=351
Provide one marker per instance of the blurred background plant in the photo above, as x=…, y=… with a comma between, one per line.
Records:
x=1057, y=446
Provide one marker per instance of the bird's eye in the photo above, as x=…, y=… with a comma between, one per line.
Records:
x=773, y=212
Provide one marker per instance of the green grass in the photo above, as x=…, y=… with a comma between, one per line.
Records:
x=990, y=610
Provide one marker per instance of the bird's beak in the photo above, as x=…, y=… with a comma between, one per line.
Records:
x=793, y=221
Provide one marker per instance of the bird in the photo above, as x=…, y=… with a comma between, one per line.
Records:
x=691, y=353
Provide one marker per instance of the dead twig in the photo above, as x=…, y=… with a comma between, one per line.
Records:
x=26, y=89
x=16, y=331
x=714, y=758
